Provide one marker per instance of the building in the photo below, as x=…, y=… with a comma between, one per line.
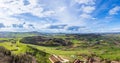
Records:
x=78, y=61
x=57, y=59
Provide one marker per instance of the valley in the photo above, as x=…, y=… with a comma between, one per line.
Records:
x=103, y=48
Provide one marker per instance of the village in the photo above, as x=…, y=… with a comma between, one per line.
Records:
x=58, y=59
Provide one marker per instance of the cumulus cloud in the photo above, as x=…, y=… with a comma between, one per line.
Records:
x=87, y=9
x=51, y=16
x=114, y=10
x=17, y=25
x=57, y=26
x=31, y=26
x=87, y=2
x=85, y=15
x=115, y=29
x=75, y=28
x=10, y=8
x=13, y=7
x=2, y=25
x=43, y=14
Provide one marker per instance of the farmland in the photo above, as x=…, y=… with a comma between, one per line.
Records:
x=104, y=46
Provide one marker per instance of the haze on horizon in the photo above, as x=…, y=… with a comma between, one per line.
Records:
x=69, y=16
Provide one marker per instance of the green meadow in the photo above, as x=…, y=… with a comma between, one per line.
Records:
x=78, y=50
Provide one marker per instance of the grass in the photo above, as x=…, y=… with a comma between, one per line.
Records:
x=20, y=48
x=15, y=48
x=106, y=52
x=71, y=55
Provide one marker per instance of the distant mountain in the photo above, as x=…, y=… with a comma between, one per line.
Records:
x=16, y=34
x=35, y=33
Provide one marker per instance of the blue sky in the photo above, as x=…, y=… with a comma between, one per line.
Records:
x=67, y=16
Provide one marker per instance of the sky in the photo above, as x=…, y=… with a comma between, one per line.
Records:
x=60, y=16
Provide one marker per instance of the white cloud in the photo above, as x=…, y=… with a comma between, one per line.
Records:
x=61, y=11
x=18, y=7
x=8, y=21
x=87, y=9
x=10, y=8
x=33, y=2
x=65, y=16
x=85, y=16
x=114, y=10
x=110, y=29
x=49, y=13
x=87, y=2
x=86, y=12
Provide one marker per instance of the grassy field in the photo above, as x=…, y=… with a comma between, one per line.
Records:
x=104, y=52
x=20, y=48
x=15, y=48
x=110, y=52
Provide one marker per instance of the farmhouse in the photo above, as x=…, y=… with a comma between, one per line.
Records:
x=57, y=59
x=78, y=61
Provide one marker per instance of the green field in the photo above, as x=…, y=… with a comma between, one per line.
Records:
x=69, y=53
x=79, y=49
x=20, y=48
